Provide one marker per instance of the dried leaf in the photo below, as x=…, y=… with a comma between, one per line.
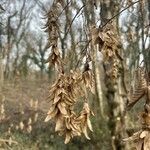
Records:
x=52, y=108
x=148, y=92
x=51, y=115
x=89, y=124
x=68, y=137
x=140, y=88
x=143, y=134
x=59, y=123
x=134, y=137
x=47, y=118
x=56, y=99
x=62, y=108
x=56, y=51
x=67, y=123
x=84, y=129
x=145, y=119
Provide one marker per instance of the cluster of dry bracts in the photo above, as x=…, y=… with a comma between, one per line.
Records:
x=63, y=96
x=68, y=88
x=141, y=90
x=52, y=28
x=55, y=59
x=141, y=139
x=71, y=87
x=109, y=46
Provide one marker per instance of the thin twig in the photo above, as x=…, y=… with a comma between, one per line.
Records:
x=64, y=8
x=82, y=52
x=102, y=26
x=2, y=8
x=147, y=26
x=74, y=19
x=119, y=13
x=148, y=29
x=4, y=140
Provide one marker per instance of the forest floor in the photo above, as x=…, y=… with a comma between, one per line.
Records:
x=23, y=108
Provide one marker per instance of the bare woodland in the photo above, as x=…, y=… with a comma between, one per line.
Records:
x=75, y=74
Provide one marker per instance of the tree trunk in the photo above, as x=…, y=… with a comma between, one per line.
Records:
x=114, y=91
x=98, y=83
x=1, y=63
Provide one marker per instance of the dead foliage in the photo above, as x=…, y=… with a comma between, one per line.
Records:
x=109, y=46
x=141, y=89
x=74, y=86
x=63, y=95
x=67, y=89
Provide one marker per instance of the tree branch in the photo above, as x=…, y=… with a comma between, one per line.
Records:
x=119, y=13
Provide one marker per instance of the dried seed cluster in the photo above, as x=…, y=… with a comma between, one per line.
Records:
x=141, y=89
x=88, y=79
x=141, y=139
x=52, y=27
x=68, y=88
x=63, y=95
x=109, y=45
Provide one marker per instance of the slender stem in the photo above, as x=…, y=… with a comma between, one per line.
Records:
x=64, y=9
x=119, y=13
x=74, y=18
x=82, y=52
x=4, y=140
